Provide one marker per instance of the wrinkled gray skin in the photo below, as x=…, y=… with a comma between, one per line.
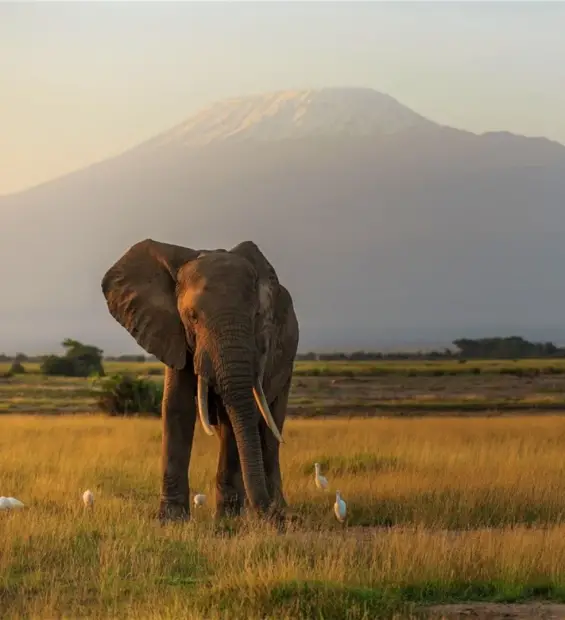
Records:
x=218, y=320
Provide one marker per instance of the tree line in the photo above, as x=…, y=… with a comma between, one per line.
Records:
x=511, y=347
x=38, y=359
x=82, y=360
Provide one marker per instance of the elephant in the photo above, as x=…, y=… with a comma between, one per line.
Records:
x=226, y=330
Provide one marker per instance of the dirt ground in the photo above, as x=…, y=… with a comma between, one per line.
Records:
x=496, y=611
x=466, y=394
x=398, y=387
x=337, y=394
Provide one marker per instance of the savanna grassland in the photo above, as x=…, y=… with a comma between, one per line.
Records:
x=443, y=508
x=342, y=388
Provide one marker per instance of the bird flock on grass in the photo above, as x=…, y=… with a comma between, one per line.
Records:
x=9, y=503
x=340, y=507
x=88, y=499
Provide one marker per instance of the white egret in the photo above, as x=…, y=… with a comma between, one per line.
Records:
x=9, y=503
x=340, y=508
x=321, y=481
x=199, y=499
x=15, y=503
x=4, y=503
x=88, y=498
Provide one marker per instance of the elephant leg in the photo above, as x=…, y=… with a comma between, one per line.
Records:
x=178, y=413
x=271, y=446
x=230, y=492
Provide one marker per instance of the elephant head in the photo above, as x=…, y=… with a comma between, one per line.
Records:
x=218, y=306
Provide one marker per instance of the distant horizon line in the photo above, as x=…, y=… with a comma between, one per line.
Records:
x=409, y=347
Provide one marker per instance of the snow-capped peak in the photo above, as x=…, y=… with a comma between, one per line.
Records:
x=296, y=114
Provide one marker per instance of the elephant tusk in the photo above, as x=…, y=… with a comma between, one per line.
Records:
x=202, y=397
x=261, y=401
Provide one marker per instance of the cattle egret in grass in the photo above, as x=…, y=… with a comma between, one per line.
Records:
x=321, y=481
x=340, y=508
x=199, y=499
x=10, y=503
x=88, y=498
x=15, y=503
x=4, y=503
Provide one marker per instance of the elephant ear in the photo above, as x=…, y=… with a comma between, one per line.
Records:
x=140, y=290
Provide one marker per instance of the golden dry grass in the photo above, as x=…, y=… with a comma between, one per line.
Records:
x=473, y=507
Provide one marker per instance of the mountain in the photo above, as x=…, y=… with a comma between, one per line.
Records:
x=284, y=115
x=385, y=226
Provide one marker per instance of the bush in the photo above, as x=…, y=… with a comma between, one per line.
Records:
x=17, y=368
x=80, y=360
x=58, y=366
x=155, y=372
x=124, y=394
x=553, y=370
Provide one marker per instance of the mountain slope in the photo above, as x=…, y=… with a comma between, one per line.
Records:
x=296, y=114
x=380, y=232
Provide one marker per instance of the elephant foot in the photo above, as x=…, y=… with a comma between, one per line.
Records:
x=173, y=513
x=226, y=528
x=283, y=518
x=280, y=502
x=276, y=517
x=228, y=506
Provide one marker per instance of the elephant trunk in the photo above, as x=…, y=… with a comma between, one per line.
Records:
x=232, y=360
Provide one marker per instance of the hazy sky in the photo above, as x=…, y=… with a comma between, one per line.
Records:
x=83, y=81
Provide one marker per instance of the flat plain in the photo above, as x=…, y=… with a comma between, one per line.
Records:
x=342, y=388
x=453, y=512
